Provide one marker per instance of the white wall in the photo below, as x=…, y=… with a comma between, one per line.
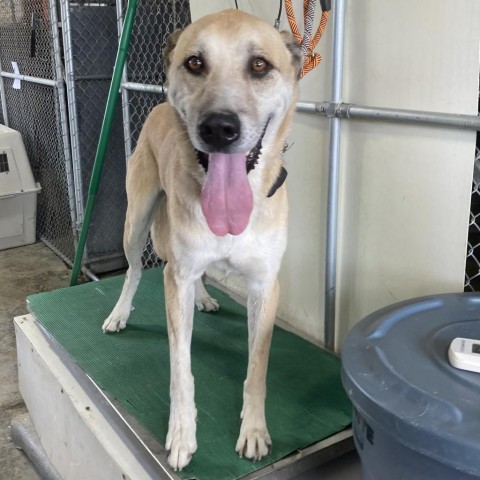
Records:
x=404, y=189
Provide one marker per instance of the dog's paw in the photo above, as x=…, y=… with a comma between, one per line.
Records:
x=181, y=443
x=114, y=323
x=253, y=443
x=207, y=304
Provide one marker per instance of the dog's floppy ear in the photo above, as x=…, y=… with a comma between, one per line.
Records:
x=294, y=49
x=169, y=47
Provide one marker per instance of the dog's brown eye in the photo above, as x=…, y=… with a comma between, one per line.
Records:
x=194, y=64
x=260, y=66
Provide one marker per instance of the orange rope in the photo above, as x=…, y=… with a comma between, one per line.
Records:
x=312, y=59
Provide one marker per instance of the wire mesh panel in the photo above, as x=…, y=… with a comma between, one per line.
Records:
x=29, y=44
x=35, y=115
x=154, y=22
x=91, y=42
x=472, y=267
x=26, y=37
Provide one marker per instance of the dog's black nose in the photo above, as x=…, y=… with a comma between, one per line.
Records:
x=219, y=130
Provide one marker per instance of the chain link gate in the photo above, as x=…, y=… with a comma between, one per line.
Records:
x=33, y=102
x=90, y=45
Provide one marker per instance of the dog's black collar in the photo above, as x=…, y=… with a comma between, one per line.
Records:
x=282, y=176
x=252, y=158
x=255, y=152
x=202, y=159
x=252, y=161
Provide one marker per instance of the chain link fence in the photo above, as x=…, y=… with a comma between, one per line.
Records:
x=56, y=61
x=472, y=267
x=35, y=106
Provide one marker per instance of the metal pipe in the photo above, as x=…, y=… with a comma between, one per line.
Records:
x=3, y=99
x=333, y=178
x=419, y=117
x=87, y=272
x=469, y=122
x=143, y=87
x=127, y=133
x=62, y=109
x=28, y=78
x=350, y=111
x=73, y=117
x=104, y=134
x=307, y=107
x=92, y=77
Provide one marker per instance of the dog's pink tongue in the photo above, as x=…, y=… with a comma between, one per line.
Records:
x=227, y=199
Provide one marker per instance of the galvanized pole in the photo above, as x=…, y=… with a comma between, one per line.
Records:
x=125, y=96
x=62, y=110
x=333, y=178
x=3, y=99
x=72, y=116
x=350, y=111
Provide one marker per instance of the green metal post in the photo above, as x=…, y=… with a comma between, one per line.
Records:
x=104, y=134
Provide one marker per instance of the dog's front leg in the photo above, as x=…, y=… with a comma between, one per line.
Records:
x=135, y=236
x=181, y=437
x=254, y=440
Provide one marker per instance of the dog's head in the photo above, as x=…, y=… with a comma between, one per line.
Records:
x=228, y=75
x=232, y=78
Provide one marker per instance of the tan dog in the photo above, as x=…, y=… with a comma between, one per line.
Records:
x=232, y=89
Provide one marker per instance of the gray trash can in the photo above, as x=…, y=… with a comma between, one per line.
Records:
x=415, y=416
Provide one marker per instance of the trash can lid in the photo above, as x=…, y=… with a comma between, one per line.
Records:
x=396, y=371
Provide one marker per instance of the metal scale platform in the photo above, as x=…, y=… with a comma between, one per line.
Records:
x=100, y=403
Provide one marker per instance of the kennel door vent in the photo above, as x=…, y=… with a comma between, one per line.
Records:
x=4, y=163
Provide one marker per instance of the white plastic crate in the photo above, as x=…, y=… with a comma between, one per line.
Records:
x=18, y=192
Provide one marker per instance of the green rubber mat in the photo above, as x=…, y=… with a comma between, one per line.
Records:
x=305, y=399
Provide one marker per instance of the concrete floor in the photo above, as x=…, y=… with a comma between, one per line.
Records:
x=34, y=268
x=24, y=270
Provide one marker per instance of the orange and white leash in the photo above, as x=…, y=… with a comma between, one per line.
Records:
x=308, y=44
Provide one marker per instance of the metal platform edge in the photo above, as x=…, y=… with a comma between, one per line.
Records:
x=149, y=453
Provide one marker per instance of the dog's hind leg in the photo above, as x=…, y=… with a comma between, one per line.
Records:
x=142, y=202
x=254, y=440
x=203, y=301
